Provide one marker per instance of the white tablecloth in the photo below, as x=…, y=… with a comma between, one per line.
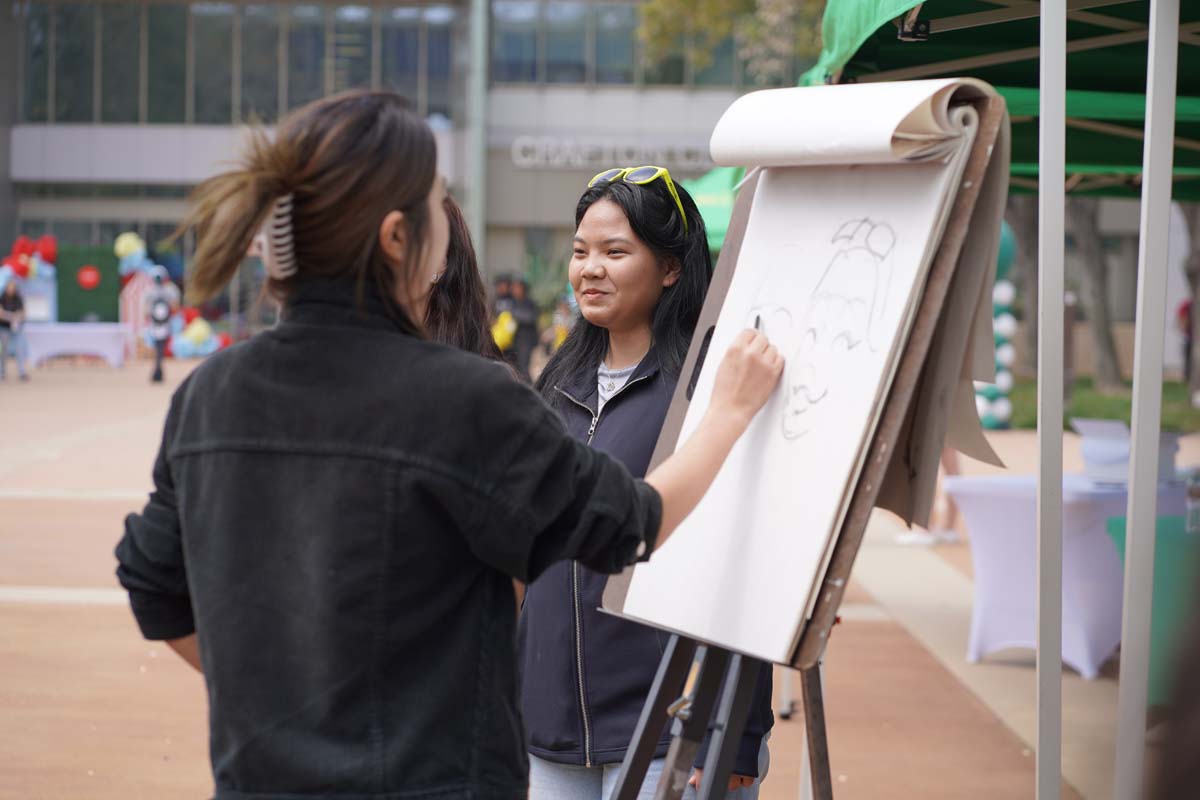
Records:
x=1001, y=517
x=104, y=339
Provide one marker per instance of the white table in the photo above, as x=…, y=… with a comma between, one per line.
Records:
x=1001, y=516
x=103, y=339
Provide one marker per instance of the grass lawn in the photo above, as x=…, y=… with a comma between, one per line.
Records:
x=1177, y=414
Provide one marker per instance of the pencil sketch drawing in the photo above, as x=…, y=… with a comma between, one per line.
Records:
x=843, y=317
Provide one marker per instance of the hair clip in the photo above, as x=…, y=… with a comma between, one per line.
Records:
x=279, y=255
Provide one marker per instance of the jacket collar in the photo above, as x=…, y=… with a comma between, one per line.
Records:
x=581, y=386
x=341, y=303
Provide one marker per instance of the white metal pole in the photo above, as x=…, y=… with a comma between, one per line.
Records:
x=1051, y=253
x=1157, y=163
x=475, y=167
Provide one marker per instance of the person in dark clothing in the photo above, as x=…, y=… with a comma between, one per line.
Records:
x=12, y=329
x=640, y=269
x=340, y=504
x=525, y=312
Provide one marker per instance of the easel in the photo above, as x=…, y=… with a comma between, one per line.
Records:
x=691, y=703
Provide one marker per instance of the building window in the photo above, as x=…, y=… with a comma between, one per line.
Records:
x=166, y=34
x=719, y=71
x=212, y=46
x=668, y=68
x=514, y=41
x=616, y=31
x=306, y=55
x=120, y=46
x=566, y=42
x=439, y=33
x=401, y=57
x=37, y=63
x=74, y=64
x=351, y=48
x=260, y=63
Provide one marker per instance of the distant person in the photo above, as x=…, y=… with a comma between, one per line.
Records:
x=1183, y=321
x=159, y=303
x=525, y=312
x=501, y=295
x=12, y=329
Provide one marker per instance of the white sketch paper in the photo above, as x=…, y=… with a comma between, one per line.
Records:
x=832, y=261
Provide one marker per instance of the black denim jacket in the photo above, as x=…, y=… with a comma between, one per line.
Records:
x=338, y=510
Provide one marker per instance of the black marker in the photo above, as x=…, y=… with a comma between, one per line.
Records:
x=757, y=322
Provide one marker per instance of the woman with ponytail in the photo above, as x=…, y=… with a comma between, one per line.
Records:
x=640, y=270
x=340, y=503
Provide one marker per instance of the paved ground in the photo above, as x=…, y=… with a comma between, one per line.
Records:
x=91, y=710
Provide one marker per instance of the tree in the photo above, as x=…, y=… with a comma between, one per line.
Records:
x=769, y=33
x=1082, y=218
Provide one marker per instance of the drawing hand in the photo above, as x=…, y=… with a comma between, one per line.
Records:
x=746, y=377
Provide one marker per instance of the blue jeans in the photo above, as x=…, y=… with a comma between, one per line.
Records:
x=12, y=342
x=551, y=781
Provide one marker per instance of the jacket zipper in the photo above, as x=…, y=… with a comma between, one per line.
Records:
x=576, y=598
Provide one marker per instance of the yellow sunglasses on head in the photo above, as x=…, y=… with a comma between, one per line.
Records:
x=640, y=176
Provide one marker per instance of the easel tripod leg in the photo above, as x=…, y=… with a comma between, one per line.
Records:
x=691, y=722
x=668, y=683
x=814, y=726
x=740, y=678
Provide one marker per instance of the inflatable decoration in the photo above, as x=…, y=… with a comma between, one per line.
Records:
x=88, y=277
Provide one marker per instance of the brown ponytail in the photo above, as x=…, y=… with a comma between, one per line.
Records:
x=348, y=160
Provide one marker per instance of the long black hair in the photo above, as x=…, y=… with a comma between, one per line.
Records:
x=457, y=313
x=655, y=220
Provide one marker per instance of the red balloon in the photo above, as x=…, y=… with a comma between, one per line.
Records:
x=189, y=314
x=47, y=248
x=88, y=277
x=23, y=246
x=20, y=266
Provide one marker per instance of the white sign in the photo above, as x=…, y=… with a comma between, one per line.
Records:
x=556, y=152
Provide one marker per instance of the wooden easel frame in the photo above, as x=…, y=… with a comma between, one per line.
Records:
x=692, y=710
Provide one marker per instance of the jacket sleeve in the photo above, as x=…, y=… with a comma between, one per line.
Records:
x=758, y=723
x=555, y=498
x=150, y=555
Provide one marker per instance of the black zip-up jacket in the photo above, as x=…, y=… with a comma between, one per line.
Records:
x=585, y=674
x=337, y=513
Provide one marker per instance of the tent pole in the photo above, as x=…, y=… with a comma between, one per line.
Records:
x=1051, y=253
x=1157, y=163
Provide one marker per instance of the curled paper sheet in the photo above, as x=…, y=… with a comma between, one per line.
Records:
x=869, y=123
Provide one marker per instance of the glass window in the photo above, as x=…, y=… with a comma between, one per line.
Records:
x=37, y=63
x=351, y=48
x=120, y=38
x=212, y=44
x=166, y=31
x=439, y=23
x=514, y=41
x=306, y=55
x=667, y=69
x=616, y=31
x=566, y=42
x=74, y=39
x=73, y=233
x=33, y=228
x=260, y=63
x=719, y=71
x=402, y=51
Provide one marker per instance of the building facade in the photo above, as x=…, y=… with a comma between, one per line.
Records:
x=114, y=110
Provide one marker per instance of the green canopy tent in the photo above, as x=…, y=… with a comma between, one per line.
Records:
x=997, y=42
